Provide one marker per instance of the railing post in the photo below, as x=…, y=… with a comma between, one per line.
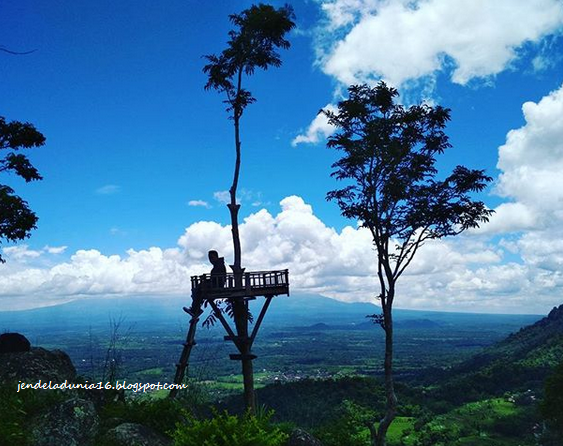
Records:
x=247, y=282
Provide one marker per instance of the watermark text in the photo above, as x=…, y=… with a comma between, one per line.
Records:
x=118, y=385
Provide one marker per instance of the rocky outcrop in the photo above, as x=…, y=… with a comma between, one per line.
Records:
x=36, y=364
x=73, y=422
x=299, y=437
x=132, y=434
x=13, y=343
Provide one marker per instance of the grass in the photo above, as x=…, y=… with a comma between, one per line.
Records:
x=475, y=424
x=399, y=425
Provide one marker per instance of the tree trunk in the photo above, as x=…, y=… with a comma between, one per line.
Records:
x=240, y=307
x=233, y=205
x=391, y=399
x=248, y=376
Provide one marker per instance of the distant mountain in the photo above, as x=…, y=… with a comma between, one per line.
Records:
x=157, y=313
x=539, y=345
x=521, y=361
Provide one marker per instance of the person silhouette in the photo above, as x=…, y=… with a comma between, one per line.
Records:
x=217, y=279
x=219, y=271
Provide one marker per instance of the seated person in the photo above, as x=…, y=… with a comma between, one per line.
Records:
x=218, y=276
x=219, y=271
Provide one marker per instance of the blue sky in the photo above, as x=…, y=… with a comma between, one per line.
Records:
x=138, y=154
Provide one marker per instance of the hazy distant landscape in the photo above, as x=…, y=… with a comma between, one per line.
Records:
x=467, y=379
x=303, y=336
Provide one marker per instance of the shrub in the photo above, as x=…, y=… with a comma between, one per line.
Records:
x=350, y=428
x=229, y=430
x=17, y=408
x=161, y=415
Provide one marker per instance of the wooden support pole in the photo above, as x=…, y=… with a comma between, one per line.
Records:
x=225, y=324
x=188, y=345
x=260, y=318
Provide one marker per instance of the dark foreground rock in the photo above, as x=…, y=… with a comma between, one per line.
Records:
x=132, y=434
x=299, y=437
x=36, y=364
x=13, y=343
x=71, y=423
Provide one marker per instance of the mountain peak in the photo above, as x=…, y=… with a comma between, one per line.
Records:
x=556, y=313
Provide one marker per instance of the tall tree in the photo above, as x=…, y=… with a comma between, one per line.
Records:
x=16, y=219
x=388, y=164
x=259, y=33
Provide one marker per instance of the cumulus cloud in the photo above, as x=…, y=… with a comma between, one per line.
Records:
x=510, y=217
x=91, y=273
x=407, y=43
x=318, y=130
x=463, y=274
x=531, y=160
x=22, y=253
x=531, y=163
x=401, y=41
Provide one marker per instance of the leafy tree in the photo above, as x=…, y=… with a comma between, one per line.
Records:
x=388, y=162
x=16, y=219
x=348, y=428
x=259, y=33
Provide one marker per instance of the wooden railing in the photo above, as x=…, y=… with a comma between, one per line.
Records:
x=254, y=283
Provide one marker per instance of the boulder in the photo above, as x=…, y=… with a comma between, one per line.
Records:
x=36, y=364
x=73, y=422
x=299, y=437
x=133, y=434
x=13, y=343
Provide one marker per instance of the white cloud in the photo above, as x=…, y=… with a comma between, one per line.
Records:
x=401, y=41
x=318, y=130
x=55, y=249
x=222, y=196
x=20, y=252
x=532, y=157
x=407, y=43
x=251, y=197
x=462, y=274
x=108, y=189
x=199, y=203
x=531, y=162
x=510, y=217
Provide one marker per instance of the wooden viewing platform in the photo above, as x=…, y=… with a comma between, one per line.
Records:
x=212, y=287
x=257, y=283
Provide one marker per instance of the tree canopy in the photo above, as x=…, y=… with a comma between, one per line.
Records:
x=16, y=219
x=389, y=154
x=260, y=31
